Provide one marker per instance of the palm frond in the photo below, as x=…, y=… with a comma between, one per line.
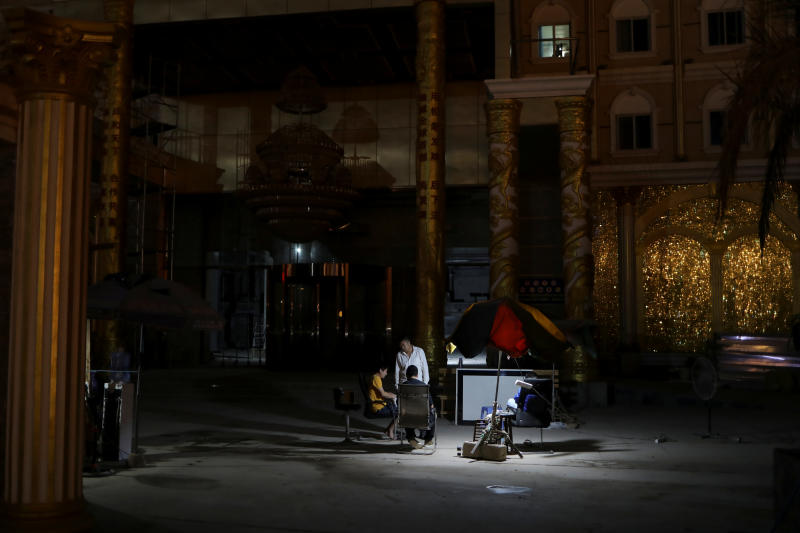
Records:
x=766, y=97
x=776, y=163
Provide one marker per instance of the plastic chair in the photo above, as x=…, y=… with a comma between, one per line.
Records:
x=345, y=401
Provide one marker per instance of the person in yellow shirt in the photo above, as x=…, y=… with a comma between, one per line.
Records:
x=382, y=401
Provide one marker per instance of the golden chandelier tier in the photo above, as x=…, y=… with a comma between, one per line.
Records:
x=299, y=212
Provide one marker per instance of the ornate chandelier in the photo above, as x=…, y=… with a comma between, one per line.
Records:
x=300, y=188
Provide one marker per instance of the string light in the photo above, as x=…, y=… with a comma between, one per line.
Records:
x=757, y=291
x=677, y=295
x=676, y=277
x=606, y=267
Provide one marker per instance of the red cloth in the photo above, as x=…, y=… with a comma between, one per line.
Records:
x=507, y=334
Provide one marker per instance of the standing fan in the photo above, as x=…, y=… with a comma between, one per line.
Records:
x=704, y=383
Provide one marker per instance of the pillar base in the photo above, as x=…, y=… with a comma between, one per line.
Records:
x=69, y=517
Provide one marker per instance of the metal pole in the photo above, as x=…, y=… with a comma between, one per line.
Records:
x=497, y=385
x=172, y=236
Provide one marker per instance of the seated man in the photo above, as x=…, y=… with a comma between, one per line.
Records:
x=382, y=401
x=413, y=379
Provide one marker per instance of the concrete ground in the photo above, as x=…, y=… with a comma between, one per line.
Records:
x=244, y=450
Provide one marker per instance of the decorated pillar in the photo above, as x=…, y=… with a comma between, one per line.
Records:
x=626, y=244
x=110, y=226
x=54, y=67
x=502, y=120
x=430, y=169
x=575, y=222
x=716, y=251
x=795, y=282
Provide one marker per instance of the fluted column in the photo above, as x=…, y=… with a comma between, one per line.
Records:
x=109, y=237
x=575, y=224
x=55, y=66
x=627, y=276
x=502, y=121
x=430, y=169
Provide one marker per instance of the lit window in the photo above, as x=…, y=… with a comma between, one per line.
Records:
x=634, y=132
x=550, y=24
x=725, y=28
x=633, y=35
x=554, y=40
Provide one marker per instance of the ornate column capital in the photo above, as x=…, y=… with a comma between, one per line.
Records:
x=119, y=11
x=502, y=115
x=572, y=111
x=56, y=56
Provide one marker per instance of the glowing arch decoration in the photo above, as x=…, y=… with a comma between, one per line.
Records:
x=756, y=288
x=676, y=274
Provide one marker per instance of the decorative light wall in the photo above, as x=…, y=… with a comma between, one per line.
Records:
x=676, y=272
x=676, y=276
x=606, y=268
x=756, y=289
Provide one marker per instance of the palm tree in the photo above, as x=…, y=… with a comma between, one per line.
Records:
x=768, y=92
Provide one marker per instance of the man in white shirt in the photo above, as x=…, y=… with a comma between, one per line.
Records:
x=407, y=356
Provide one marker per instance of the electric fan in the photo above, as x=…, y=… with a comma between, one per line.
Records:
x=704, y=383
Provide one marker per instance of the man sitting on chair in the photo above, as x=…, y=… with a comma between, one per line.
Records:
x=413, y=379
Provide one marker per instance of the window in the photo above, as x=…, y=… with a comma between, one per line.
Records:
x=634, y=132
x=632, y=121
x=550, y=23
x=630, y=28
x=554, y=40
x=725, y=28
x=715, y=118
x=633, y=35
x=716, y=127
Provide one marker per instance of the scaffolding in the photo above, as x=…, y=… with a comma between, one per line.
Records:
x=155, y=144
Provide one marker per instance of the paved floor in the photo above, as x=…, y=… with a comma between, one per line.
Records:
x=245, y=450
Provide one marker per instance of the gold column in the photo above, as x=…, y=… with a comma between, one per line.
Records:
x=502, y=121
x=795, y=281
x=430, y=63
x=626, y=198
x=55, y=67
x=716, y=251
x=575, y=223
x=110, y=226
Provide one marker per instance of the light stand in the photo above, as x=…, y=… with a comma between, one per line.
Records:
x=136, y=459
x=493, y=431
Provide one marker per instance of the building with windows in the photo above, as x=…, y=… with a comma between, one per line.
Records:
x=561, y=152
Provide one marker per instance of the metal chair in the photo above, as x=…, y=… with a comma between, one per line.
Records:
x=345, y=401
x=414, y=410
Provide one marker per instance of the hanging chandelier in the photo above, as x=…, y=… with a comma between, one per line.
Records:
x=300, y=188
